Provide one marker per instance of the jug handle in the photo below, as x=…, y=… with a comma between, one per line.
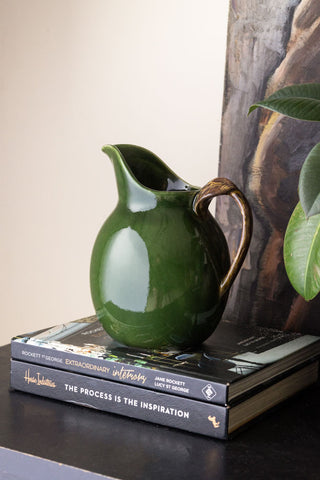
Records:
x=223, y=186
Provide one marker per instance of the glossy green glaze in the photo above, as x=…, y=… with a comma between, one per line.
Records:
x=156, y=265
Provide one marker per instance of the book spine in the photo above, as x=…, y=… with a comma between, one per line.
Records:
x=149, y=378
x=113, y=397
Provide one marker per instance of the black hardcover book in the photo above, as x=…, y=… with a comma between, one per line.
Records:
x=162, y=408
x=233, y=362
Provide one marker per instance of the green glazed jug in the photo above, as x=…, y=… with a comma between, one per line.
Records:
x=160, y=268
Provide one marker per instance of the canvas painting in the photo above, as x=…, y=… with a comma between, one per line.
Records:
x=271, y=45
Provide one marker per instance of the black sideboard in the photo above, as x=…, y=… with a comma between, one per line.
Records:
x=42, y=438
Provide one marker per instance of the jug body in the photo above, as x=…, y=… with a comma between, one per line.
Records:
x=155, y=278
x=157, y=264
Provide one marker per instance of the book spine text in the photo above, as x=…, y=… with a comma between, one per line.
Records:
x=149, y=378
x=113, y=397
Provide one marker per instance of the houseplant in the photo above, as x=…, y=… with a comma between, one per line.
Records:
x=302, y=238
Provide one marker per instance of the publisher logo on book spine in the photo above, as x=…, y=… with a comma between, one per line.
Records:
x=209, y=392
x=38, y=379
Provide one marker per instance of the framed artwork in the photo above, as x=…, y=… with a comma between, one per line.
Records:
x=271, y=44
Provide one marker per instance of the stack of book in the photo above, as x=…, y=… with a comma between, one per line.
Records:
x=234, y=377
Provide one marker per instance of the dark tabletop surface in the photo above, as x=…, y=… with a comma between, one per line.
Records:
x=284, y=444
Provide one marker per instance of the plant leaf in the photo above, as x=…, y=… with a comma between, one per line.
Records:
x=296, y=101
x=309, y=183
x=302, y=253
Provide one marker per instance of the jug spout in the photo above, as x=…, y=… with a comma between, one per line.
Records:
x=130, y=192
x=141, y=176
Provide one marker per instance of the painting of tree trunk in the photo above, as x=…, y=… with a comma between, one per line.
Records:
x=271, y=44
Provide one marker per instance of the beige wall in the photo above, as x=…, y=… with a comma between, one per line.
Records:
x=76, y=74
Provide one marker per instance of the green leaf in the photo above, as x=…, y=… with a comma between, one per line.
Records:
x=297, y=101
x=309, y=183
x=302, y=253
